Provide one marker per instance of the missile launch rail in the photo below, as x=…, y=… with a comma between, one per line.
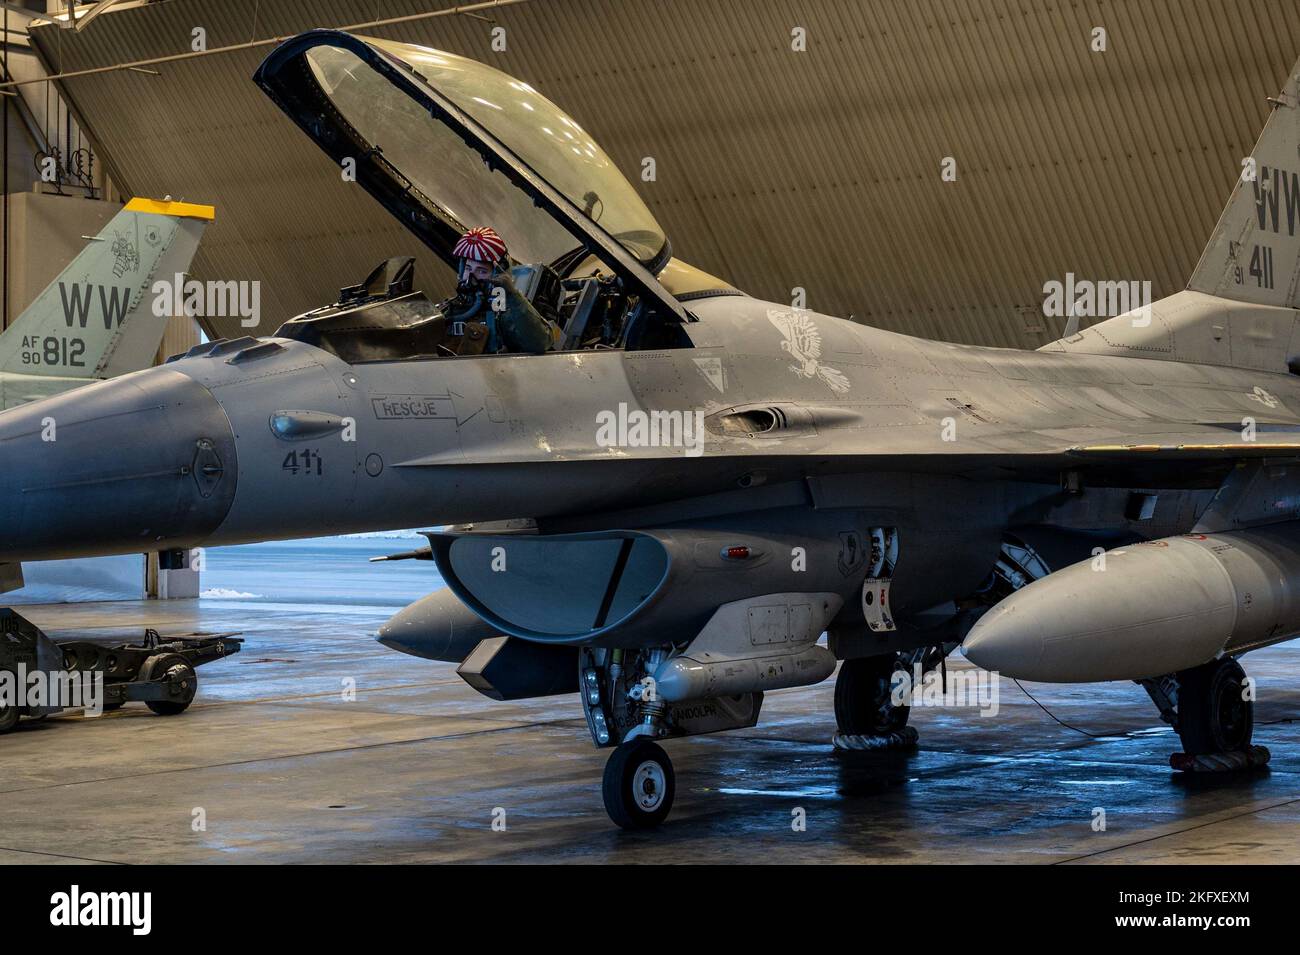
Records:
x=159, y=673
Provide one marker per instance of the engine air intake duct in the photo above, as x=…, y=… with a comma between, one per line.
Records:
x=624, y=588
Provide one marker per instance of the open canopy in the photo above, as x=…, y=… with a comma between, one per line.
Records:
x=447, y=143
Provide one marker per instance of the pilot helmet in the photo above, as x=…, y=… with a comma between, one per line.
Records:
x=481, y=245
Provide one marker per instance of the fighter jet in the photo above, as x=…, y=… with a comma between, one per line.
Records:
x=666, y=511
x=97, y=318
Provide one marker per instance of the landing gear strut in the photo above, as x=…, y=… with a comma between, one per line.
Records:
x=639, y=785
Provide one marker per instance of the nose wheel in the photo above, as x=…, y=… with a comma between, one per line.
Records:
x=639, y=785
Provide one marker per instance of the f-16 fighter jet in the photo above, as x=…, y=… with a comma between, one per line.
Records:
x=667, y=509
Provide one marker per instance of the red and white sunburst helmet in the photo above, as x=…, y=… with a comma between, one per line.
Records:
x=481, y=245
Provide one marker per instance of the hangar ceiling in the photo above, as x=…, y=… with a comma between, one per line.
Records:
x=775, y=168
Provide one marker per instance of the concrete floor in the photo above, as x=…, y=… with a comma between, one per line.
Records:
x=286, y=771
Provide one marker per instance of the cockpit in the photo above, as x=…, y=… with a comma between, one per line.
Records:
x=447, y=144
x=384, y=318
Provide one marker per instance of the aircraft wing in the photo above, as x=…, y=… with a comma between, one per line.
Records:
x=1193, y=446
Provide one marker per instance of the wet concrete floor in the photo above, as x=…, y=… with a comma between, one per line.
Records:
x=280, y=767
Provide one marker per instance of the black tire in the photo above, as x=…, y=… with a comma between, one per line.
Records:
x=9, y=712
x=182, y=682
x=862, y=691
x=639, y=785
x=1213, y=717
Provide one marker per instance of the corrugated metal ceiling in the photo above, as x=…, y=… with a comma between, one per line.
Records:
x=776, y=169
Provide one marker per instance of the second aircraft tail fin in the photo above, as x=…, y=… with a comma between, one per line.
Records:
x=97, y=318
x=1254, y=253
x=1238, y=309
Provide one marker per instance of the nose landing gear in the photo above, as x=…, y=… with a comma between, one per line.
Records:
x=639, y=785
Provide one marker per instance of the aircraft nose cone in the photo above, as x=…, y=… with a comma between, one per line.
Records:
x=142, y=462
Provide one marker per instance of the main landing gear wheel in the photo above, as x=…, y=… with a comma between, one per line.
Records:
x=639, y=785
x=1214, y=715
x=862, y=697
x=179, y=677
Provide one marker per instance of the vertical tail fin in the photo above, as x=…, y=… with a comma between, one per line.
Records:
x=1254, y=254
x=97, y=318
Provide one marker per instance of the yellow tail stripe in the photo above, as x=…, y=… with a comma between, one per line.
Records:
x=183, y=210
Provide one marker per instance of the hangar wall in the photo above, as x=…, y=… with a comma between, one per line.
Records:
x=775, y=168
x=45, y=234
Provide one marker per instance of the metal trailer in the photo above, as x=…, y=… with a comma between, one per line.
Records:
x=161, y=674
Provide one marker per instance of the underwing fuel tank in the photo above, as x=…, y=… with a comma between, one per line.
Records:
x=440, y=627
x=1155, y=608
x=436, y=627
